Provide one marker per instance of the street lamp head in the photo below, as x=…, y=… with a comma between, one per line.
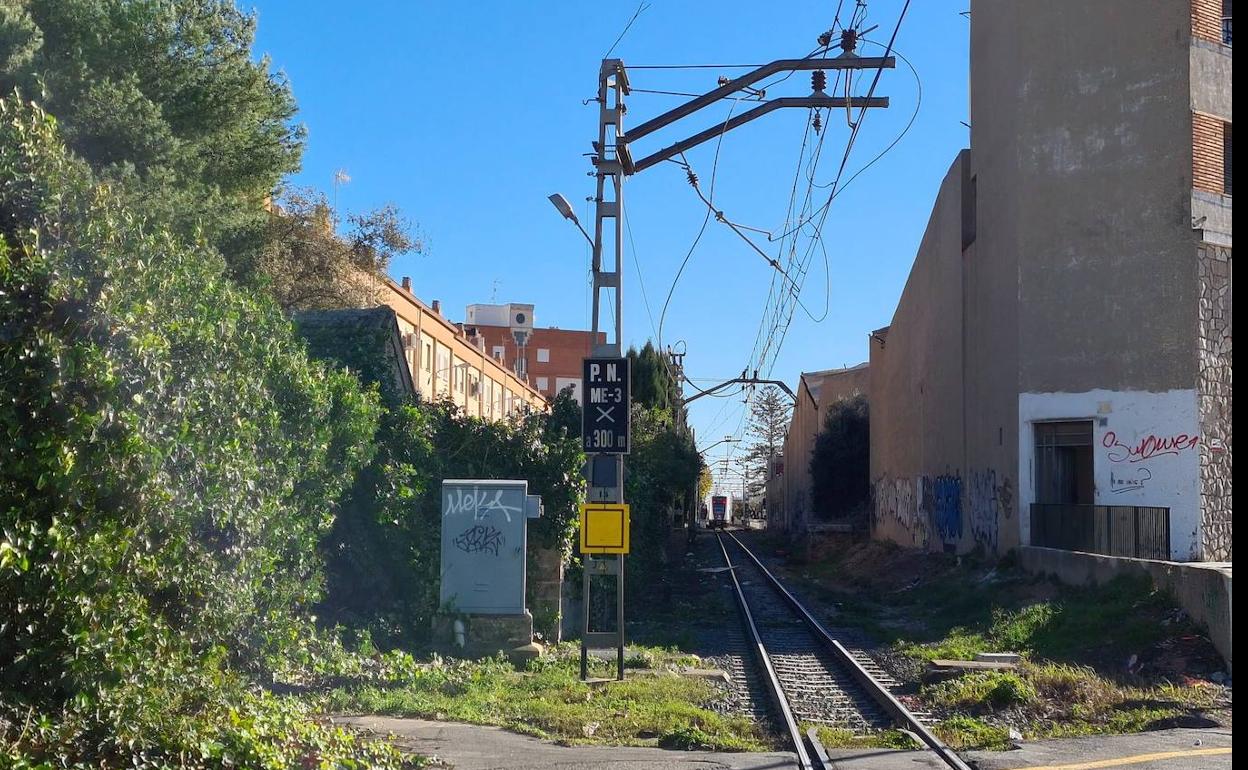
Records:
x=565, y=208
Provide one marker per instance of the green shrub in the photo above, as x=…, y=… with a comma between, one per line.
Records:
x=982, y=691
x=170, y=456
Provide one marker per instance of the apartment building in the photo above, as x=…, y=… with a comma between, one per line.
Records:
x=447, y=363
x=1058, y=369
x=549, y=358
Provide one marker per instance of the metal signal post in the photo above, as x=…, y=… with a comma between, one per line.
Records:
x=613, y=161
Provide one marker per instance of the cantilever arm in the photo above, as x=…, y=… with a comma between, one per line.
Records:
x=746, y=117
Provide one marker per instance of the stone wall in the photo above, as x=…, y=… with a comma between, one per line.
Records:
x=1214, y=389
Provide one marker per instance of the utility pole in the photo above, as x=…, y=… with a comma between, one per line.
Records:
x=606, y=471
x=613, y=160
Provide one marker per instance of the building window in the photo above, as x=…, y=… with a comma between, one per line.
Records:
x=443, y=368
x=543, y=355
x=1226, y=22
x=500, y=352
x=1064, y=462
x=426, y=359
x=543, y=383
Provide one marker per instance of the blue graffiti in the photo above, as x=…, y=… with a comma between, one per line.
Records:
x=942, y=497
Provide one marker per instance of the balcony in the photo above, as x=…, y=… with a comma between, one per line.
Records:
x=1141, y=532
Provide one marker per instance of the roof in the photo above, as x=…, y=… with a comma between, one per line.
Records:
x=341, y=336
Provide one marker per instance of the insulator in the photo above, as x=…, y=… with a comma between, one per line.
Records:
x=849, y=40
x=818, y=80
x=817, y=123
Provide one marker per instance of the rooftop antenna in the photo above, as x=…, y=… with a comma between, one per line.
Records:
x=340, y=178
x=494, y=293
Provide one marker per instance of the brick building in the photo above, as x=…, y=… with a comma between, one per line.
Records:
x=551, y=358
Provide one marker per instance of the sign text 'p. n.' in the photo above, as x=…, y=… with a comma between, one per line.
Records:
x=605, y=418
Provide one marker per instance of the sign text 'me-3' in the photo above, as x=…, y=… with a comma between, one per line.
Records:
x=604, y=424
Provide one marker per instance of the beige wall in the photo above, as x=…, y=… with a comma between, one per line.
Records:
x=816, y=393
x=445, y=364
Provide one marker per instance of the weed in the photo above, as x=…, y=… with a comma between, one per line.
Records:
x=982, y=691
x=962, y=733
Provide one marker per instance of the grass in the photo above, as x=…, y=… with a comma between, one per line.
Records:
x=1075, y=644
x=548, y=700
x=840, y=738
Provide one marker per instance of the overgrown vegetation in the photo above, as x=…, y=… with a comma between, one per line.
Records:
x=840, y=463
x=655, y=707
x=383, y=554
x=172, y=458
x=663, y=472
x=1114, y=658
x=183, y=488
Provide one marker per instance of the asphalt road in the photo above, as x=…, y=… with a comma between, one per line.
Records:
x=472, y=747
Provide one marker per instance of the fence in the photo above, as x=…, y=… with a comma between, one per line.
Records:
x=1115, y=530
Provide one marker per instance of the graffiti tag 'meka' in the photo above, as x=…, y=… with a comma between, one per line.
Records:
x=479, y=501
x=480, y=539
x=1148, y=447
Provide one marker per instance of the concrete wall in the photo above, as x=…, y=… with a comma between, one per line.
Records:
x=1202, y=590
x=916, y=386
x=1082, y=112
x=816, y=393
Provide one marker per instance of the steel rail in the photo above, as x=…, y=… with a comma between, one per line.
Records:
x=773, y=680
x=886, y=699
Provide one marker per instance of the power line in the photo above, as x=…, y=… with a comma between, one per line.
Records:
x=641, y=7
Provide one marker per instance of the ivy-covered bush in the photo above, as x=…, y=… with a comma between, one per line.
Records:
x=383, y=555
x=169, y=456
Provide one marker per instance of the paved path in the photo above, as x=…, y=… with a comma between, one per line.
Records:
x=1159, y=750
x=473, y=747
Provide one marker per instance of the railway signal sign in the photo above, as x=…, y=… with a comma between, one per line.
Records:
x=605, y=418
x=604, y=528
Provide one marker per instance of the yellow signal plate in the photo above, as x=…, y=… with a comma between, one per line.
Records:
x=604, y=528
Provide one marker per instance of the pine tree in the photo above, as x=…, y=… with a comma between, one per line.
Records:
x=770, y=413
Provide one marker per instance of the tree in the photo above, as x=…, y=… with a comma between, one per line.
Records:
x=165, y=101
x=309, y=266
x=171, y=455
x=654, y=384
x=840, y=465
x=770, y=413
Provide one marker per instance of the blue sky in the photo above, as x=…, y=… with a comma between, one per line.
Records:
x=467, y=115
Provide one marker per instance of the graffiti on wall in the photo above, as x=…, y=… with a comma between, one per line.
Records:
x=1129, y=481
x=1148, y=447
x=925, y=509
x=896, y=513
x=988, y=503
x=942, y=502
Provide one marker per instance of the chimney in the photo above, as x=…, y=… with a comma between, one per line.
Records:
x=437, y=306
x=407, y=284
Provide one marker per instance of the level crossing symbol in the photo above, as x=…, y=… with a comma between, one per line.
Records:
x=605, y=421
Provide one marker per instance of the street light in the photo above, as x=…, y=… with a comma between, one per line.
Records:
x=561, y=204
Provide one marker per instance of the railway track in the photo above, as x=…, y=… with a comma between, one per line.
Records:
x=811, y=677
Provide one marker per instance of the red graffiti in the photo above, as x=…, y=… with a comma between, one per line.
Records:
x=1149, y=447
